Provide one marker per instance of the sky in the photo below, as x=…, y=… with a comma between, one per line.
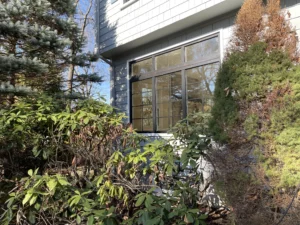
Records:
x=100, y=67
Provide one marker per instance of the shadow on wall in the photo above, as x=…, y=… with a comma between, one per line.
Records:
x=288, y=3
x=105, y=32
x=106, y=24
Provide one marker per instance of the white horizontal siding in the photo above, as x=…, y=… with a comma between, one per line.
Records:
x=117, y=27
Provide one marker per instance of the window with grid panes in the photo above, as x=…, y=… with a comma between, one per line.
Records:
x=167, y=86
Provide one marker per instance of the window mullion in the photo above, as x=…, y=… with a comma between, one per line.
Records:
x=182, y=55
x=154, y=103
x=153, y=96
x=184, y=101
x=170, y=103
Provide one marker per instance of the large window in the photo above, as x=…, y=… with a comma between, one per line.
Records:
x=166, y=87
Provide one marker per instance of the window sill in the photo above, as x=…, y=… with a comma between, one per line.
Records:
x=128, y=4
x=157, y=135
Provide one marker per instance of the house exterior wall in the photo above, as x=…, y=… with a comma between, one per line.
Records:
x=118, y=26
x=223, y=24
x=119, y=81
x=137, y=13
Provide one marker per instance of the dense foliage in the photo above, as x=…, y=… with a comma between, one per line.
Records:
x=85, y=167
x=65, y=162
x=256, y=119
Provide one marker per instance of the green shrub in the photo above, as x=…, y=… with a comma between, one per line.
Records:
x=256, y=115
x=91, y=169
x=263, y=93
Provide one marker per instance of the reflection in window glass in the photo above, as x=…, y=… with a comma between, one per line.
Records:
x=168, y=59
x=202, y=50
x=159, y=106
x=200, y=86
x=142, y=112
x=141, y=67
x=168, y=100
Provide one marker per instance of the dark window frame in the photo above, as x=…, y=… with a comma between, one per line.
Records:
x=216, y=58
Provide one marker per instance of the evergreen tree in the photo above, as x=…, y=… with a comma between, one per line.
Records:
x=256, y=114
x=38, y=39
x=81, y=73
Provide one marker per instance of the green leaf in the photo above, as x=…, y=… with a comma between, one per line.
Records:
x=86, y=120
x=203, y=217
x=99, y=212
x=167, y=206
x=63, y=181
x=193, y=163
x=36, y=171
x=30, y=172
x=31, y=217
x=73, y=126
x=75, y=199
x=169, y=170
x=37, y=206
x=10, y=201
x=188, y=218
x=51, y=184
x=54, y=119
x=78, y=219
x=33, y=199
x=140, y=201
x=149, y=201
x=27, y=197
x=173, y=214
x=153, y=221
x=151, y=190
x=202, y=222
x=81, y=114
x=90, y=220
x=193, y=210
x=184, y=157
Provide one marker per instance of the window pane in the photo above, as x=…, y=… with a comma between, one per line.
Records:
x=142, y=112
x=142, y=86
x=168, y=100
x=175, y=120
x=176, y=80
x=137, y=112
x=207, y=105
x=147, y=124
x=137, y=125
x=147, y=112
x=176, y=94
x=146, y=98
x=162, y=110
x=162, y=123
x=163, y=82
x=194, y=106
x=176, y=109
x=137, y=100
x=200, y=87
x=202, y=50
x=194, y=91
x=168, y=59
x=162, y=95
x=141, y=67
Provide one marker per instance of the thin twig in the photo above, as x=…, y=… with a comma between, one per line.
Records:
x=290, y=205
